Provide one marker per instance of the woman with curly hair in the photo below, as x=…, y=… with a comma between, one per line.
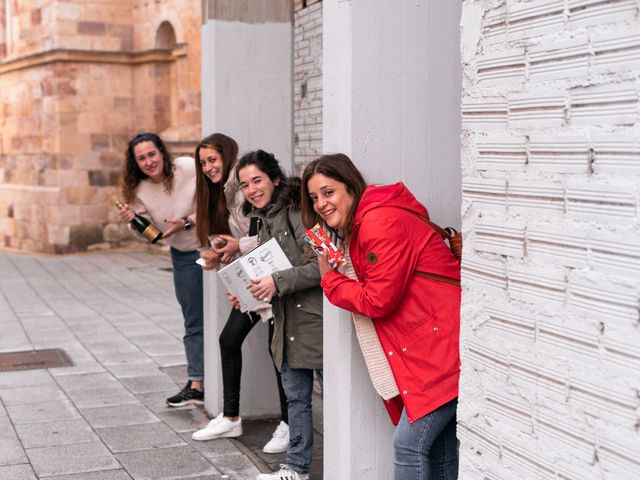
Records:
x=163, y=190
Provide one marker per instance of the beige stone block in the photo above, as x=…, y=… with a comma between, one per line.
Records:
x=57, y=234
x=68, y=215
x=73, y=178
x=78, y=195
x=8, y=226
x=108, y=44
x=94, y=214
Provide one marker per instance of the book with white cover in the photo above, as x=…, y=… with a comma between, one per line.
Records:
x=263, y=260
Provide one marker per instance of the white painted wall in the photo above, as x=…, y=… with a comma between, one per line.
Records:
x=246, y=94
x=391, y=102
x=551, y=186
x=247, y=85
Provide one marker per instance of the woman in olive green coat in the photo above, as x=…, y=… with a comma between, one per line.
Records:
x=296, y=298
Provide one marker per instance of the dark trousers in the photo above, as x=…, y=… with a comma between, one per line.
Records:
x=187, y=280
x=233, y=334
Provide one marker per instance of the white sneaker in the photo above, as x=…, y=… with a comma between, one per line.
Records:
x=285, y=473
x=219, y=427
x=279, y=441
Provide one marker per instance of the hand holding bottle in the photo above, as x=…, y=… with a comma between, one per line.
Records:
x=125, y=211
x=141, y=224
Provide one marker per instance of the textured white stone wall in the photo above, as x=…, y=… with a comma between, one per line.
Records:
x=307, y=93
x=551, y=200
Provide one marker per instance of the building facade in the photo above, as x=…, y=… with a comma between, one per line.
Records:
x=77, y=80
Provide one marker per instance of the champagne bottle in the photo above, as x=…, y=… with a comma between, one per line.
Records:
x=144, y=226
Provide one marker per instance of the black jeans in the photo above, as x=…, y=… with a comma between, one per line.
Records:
x=233, y=334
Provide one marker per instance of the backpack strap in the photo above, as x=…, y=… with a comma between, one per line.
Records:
x=454, y=238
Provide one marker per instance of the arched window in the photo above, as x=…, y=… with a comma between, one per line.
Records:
x=165, y=36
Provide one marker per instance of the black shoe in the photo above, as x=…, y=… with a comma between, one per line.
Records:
x=187, y=396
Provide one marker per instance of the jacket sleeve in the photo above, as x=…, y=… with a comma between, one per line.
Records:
x=388, y=259
x=306, y=274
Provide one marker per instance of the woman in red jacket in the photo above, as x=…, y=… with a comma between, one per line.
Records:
x=417, y=319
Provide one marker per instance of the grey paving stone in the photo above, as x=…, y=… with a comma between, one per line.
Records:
x=104, y=475
x=212, y=449
x=139, y=437
x=151, y=383
x=34, y=394
x=127, y=319
x=17, y=472
x=51, y=338
x=130, y=370
x=78, y=368
x=102, y=397
x=169, y=360
x=109, y=359
x=160, y=344
x=156, y=401
x=119, y=416
x=15, y=342
x=178, y=373
x=42, y=412
x=66, y=459
x=25, y=378
x=6, y=428
x=184, y=419
x=166, y=464
x=60, y=432
x=237, y=467
x=11, y=452
x=84, y=381
x=136, y=329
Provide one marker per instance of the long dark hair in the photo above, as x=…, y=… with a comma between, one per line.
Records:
x=267, y=163
x=341, y=169
x=212, y=214
x=131, y=173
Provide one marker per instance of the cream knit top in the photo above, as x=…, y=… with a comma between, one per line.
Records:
x=157, y=205
x=374, y=357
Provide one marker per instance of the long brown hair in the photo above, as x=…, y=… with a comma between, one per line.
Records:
x=212, y=214
x=341, y=169
x=131, y=173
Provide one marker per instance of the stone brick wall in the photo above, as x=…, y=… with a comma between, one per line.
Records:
x=551, y=213
x=79, y=79
x=307, y=82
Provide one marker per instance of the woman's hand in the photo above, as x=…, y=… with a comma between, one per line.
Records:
x=211, y=258
x=235, y=301
x=323, y=264
x=176, y=226
x=263, y=288
x=229, y=250
x=126, y=213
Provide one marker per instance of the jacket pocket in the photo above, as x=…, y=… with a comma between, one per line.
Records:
x=429, y=353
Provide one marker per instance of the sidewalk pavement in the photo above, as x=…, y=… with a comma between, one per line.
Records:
x=104, y=418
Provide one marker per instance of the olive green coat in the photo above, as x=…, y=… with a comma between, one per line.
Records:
x=297, y=308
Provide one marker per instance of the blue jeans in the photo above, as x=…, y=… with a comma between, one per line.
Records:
x=428, y=449
x=298, y=388
x=187, y=280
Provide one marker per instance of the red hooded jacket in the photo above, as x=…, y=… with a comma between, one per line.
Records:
x=417, y=319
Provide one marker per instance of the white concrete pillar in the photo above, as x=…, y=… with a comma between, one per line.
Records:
x=246, y=94
x=392, y=103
